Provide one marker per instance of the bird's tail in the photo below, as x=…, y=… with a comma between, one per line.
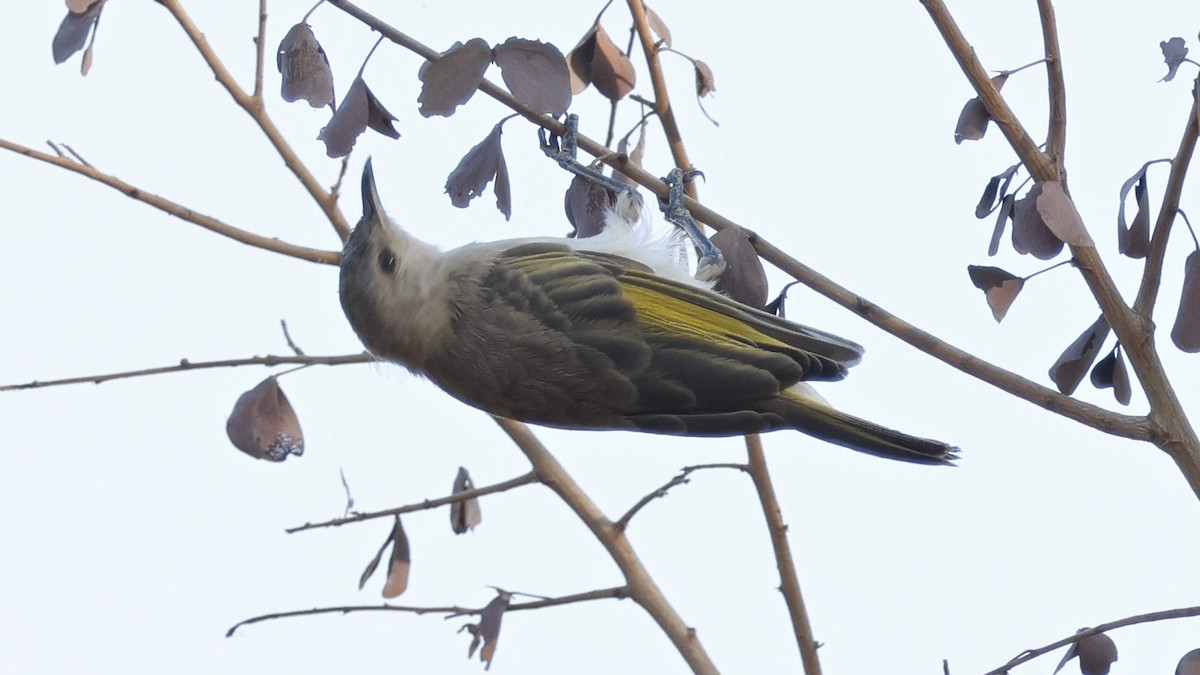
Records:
x=817, y=418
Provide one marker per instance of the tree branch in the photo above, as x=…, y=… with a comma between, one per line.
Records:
x=257, y=111
x=178, y=210
x=524, y=479
x=662, y=99
x=640, y=585
x=1031, y=654
x=1056, y=134
x=679, y=479
x=259, y=50
x=789, y=583
x=618, y=592
x=184, y=364
x=1170, y=428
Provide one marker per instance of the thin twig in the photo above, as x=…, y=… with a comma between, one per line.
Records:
x=451, y=611
x=789, y=583
x=288, y=336
x=640, y=584
x=679, y=479
x=1031, y=654
x=257, y=111
x=77, y=156
x=523, y=479
x=259, y=51
x=185, y=365
x=349, y=497
x=178, y=210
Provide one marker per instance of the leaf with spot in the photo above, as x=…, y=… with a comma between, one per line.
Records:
x=1030, y=233
x=1134, y=240
x=1000, y=287
x=1174, y=52
x=535, y=73
x=1068, y=371
x=1110, y=371
x=1059, y=214
x=305, y=68
x=744, y=278
x=995, y=192
x=587, y=205
x=487, y=630
x=453, y=79
x=476, y=169
x=465, y=514
x=974, y=118
x=1186, y=331
x=72, y=34
x=264, y=425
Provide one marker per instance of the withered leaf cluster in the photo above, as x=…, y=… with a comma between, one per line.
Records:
x=599, y=62
x=535, y=73
x=1068, y=371
x=264, y=425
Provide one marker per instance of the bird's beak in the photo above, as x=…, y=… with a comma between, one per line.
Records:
x=372, y=207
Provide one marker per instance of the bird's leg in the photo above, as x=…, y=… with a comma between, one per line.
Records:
x=626, y=198
x=710, y=263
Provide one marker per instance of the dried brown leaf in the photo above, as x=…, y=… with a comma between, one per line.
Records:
x=1110, y=371
x=476, y=169
x=1003, y=215
x=1186, y=331
x=304, y=67
x=1134, y=240
x=264, y=425
x=378, y=117
x=489, y=627
x=1000, y=287
x=348, y=121
x=73, y=32
x=464, y=515
x=1096, y=654
x=453, y=79
x=1068, y=371
x=1059, y=214
x=80, y=6
x=612, y=71
x=1030, y=233
x=995, y=191
x=704, y=78
x=1174, y=52
x=744, y=278
x=535, y=73
x=398, y=564
x=658, y=27
x=974, y=118
x=579, y=61
x=587, y=205
x=374, y=564
x=1189, y=664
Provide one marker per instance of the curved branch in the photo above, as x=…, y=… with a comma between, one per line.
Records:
x=1031, y=654
x=1056, y=133
x=184, y=364
x=524, y=479
x=662, y=100
x=257, y=111
x=178, y=210
x=789, y=583
x=640, y=584
x=618, y=592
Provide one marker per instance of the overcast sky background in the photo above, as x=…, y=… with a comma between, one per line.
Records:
x=135, y=534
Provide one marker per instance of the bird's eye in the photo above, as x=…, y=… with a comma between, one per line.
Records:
x=387, y=261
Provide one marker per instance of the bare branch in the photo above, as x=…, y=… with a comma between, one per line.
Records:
x=640, y=585
x=451, y=611
x=679, y=479
x=523, y=479
x=178, y=210
x=1056, y=135
x=1031, y=654
x=255, y=108
x=259, y=49
x=184, y=365
x=662, y=99
x=789, y=583
x=288, y=336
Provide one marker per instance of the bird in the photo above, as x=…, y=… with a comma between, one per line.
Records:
x=603, y=333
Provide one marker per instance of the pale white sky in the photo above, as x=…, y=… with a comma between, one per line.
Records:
x=135, y=535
